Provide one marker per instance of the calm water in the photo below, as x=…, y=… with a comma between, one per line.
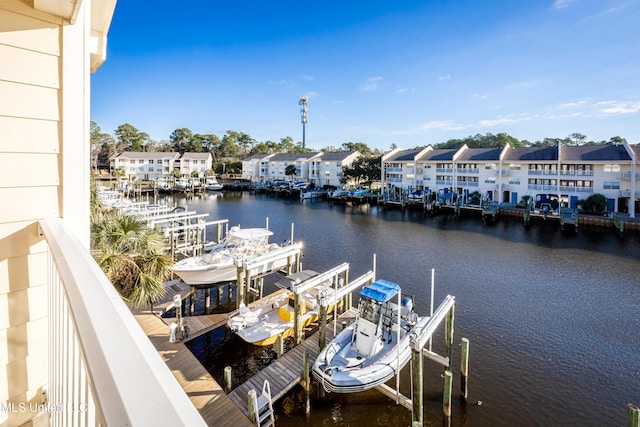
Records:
x=553, y=318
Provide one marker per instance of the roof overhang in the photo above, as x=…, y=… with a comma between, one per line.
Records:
x=101, y=15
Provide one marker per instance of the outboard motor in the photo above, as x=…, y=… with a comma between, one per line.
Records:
x=407, y=306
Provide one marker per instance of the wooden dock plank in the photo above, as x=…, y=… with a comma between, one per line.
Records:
x=209, y=398
x=285, y=373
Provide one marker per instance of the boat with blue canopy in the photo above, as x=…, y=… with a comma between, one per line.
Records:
x=375, y=347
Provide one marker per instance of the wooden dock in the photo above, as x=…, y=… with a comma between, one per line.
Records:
x=209, y=398
x=217, y=407
x=284, y=373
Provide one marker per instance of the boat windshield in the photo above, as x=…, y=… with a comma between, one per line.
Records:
x=369, y=310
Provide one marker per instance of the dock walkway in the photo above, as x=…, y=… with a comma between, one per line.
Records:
x=217, y=407
x=209, y=398
x=284, y=373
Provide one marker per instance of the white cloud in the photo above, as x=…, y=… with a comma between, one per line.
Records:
x=561, y=4
x=371, y=84
x=479, y=96
x=445, y=77
x=576, y=104
x=617, y=107
x=504, y=120
x=306, y=77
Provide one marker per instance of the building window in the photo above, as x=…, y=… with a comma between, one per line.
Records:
x=611, y=185
x=203, y=162
x=140, y=161
x=611, y=168
x=150, y=161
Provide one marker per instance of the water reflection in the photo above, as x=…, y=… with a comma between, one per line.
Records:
x=553, y=317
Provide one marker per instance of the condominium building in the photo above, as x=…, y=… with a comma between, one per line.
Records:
x=507, y=174
x=154, y=165
x=323, y=169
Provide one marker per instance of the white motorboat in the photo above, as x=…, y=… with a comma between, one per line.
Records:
x=181, y=184
x=274, y=315
x=371, y=350
x=212, y=184
x=163, y=185
x=311, y=194
x=221, y=263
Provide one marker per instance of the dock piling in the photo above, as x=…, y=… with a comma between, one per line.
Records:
x=634, y=415
x=253, y=409
x=306, y=378
x=449, y=334
x=464, y=369
x=279, y=346
x=227, y=379
x=446, y=399
x=323, y=326
x=417, y=395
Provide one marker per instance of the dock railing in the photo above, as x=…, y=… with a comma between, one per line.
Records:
x=103, y=370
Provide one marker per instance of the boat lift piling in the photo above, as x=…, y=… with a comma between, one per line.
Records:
x=418, y=341
x=253, y=271
x=330, y=275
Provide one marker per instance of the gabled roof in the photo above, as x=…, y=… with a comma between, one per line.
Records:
x=594, y=153
x=440, y=155
x=145, y=155
x=198, y=156
x=542, y=154
x=258, y=157
x=287, y=157
x=338, y=155
x=403, y=156
x=479, y=154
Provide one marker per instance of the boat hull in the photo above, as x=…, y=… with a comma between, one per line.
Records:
x=340, y=371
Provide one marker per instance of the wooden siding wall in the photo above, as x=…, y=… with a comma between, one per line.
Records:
x=30, y=82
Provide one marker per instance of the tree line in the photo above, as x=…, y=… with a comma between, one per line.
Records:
x=234, y=146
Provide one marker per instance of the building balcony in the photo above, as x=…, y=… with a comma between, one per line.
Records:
x=467, y=170
x=576, y=189
x=100, y=361
x=444, y=170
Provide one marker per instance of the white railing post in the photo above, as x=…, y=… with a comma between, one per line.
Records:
x=103, y=370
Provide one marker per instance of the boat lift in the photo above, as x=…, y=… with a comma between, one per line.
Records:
x=287, y=257
x=301, y=288
x=418, y=341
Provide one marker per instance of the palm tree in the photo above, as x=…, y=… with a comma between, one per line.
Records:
x=130, y=254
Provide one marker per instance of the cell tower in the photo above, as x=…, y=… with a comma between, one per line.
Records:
x=303, y=114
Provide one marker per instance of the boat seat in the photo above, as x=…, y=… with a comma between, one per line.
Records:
x=348, y=362
x=248, y=316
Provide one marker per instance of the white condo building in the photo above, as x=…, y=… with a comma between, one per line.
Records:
x=507, y=174
x=323, y=169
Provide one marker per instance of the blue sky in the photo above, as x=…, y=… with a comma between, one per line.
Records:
x=405, y=72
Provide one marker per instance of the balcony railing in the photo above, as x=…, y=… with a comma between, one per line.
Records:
x=102, y=367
